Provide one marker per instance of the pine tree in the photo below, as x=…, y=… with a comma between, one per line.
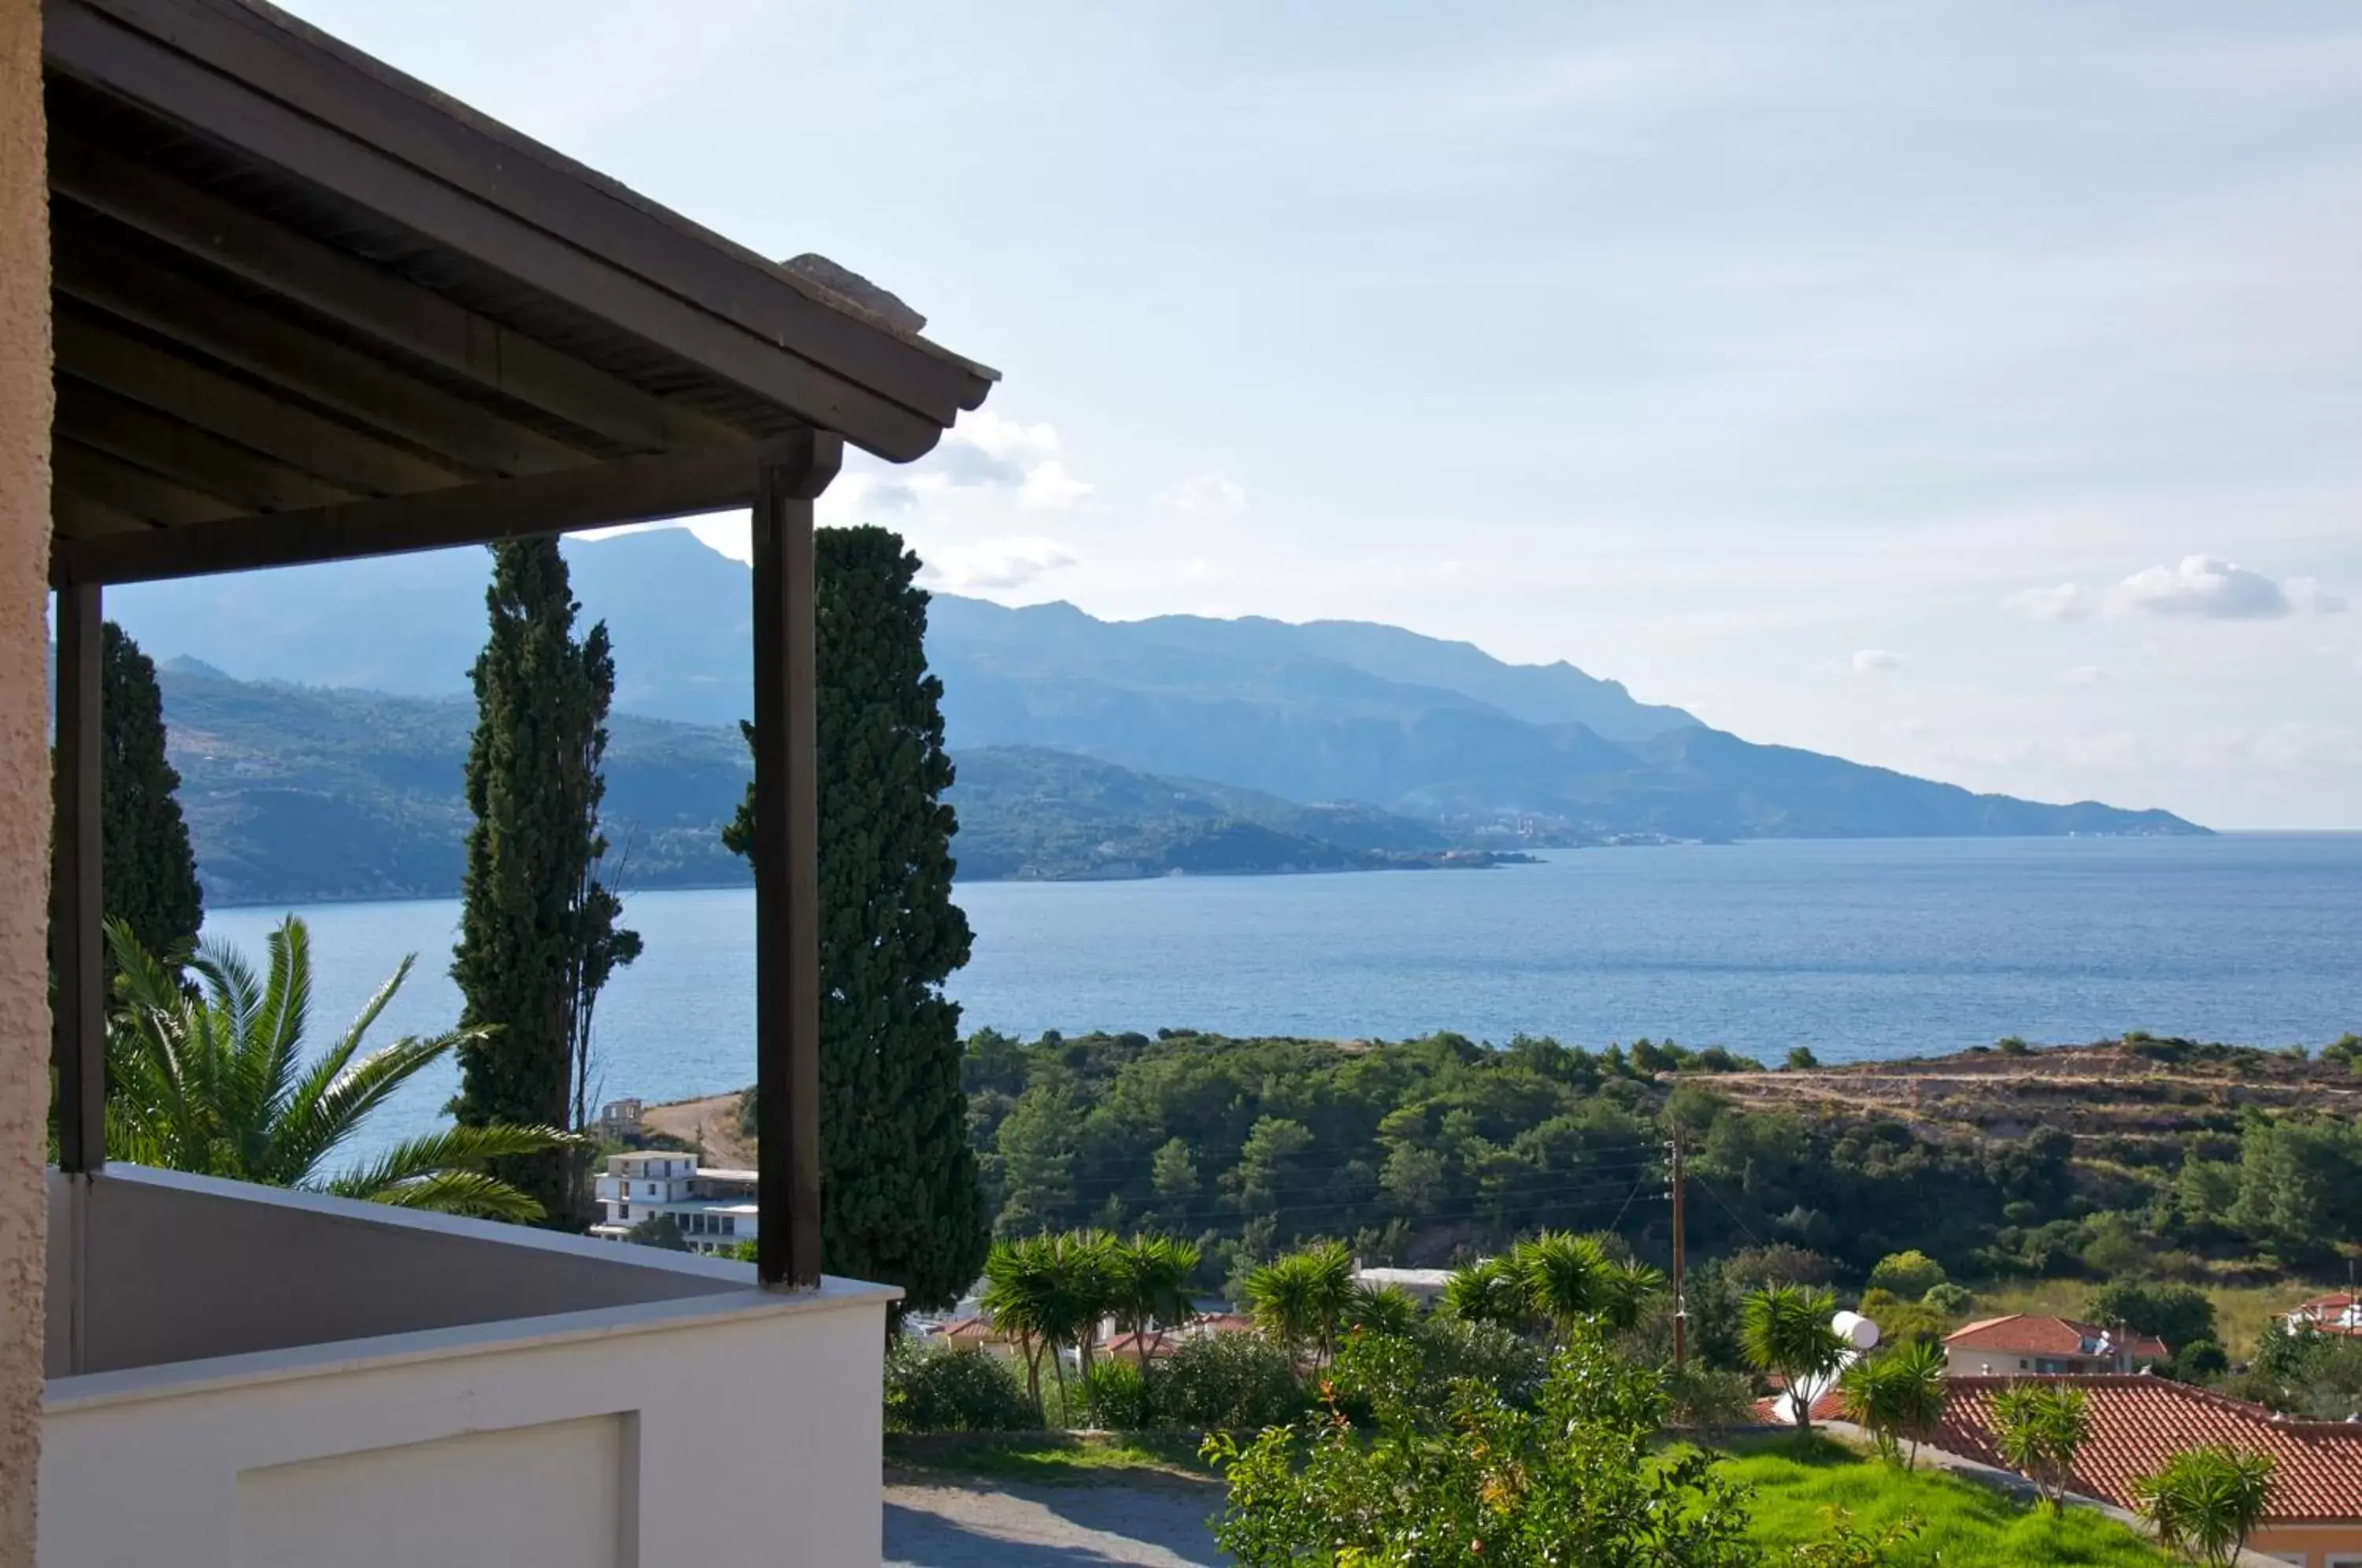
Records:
x=149, y=873
x=899, y=1198
x=537, y=932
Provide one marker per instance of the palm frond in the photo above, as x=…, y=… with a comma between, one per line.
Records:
x=320, y=1115
x=471, y=1194
x=448, y=1149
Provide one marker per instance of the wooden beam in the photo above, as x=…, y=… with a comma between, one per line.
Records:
x=128, y=487
x=360, y=464
x=77, y=956
x=787, y=870
x=203, y=462
x=374, y=301
x=596, y=495
x=336, y=86
x=125, y=59
x=294, y=356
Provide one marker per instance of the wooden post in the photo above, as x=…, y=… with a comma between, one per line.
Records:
x=1681, y=1303
x=77, y=940
x=786, y=867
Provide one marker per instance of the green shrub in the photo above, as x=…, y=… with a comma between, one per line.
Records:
x=1508, y=1364
x=1951, y=1300
x=955, y=1391
x=1911, y=1274
x=1228, y=1382
x=1120, y=1396
x=1704, y=1399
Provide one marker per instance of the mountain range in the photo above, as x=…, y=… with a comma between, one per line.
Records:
x=326, y=705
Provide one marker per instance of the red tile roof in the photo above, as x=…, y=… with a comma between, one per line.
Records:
x=1775, y=1411
x=1160, y=1341
x=2339, y=1312
x=2022, y=1334
x=2138, y=1421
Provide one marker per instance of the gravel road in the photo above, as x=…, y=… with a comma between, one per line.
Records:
x=954, y=1526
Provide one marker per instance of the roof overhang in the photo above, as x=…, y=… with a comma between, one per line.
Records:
x=307, y=308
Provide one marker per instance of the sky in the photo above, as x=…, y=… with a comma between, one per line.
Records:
x=1972, y=389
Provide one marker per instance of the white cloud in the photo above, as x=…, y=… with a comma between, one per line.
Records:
x=1007, y=563
x=2201, y=588
x=1876, y=661
x=2084, y=674
x=1206, y=494
x=1008, y=439
x=2308, y=594
x=2067, y=602
x=1048, y=487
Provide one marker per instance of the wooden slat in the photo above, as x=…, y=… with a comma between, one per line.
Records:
x=77, y=516
x=336, y=85
x=202, y=461
x=293, y=356
x=78, y=1006
x=128, y=488
x=90, y=350
x=597, y=496
x=374, y=301
x=786, y=872
x=114, y=58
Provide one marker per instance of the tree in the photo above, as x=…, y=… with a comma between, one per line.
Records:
x=2180, y=1315
x=2039, y=1429
x=2206, y=1501
x=1383, y=1309
x=1300, y=1299
x=1565, y=1279
x=1267, y=1160
x=1472, y=1478
x=1490, y=1290
x=1020, y=1290
x=538, y=928
x=218, y=1083
x=1149, y=1286
x=149, y=873
x=1784, y=1331
x=1898, y=1396
x=900, y=1200
x=1910, y=1275
x=661, y=1232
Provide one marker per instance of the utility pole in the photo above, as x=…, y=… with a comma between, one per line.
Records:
x=1681, y=1302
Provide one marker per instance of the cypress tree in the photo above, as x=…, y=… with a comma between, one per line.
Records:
x=537, y=932
x=149, y=872
x=899, y=1198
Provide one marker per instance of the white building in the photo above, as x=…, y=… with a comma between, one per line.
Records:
x=714, y=1209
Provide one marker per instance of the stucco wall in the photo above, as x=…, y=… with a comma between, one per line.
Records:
x=250, y=1268
x=23, y=762
x=662, y=1434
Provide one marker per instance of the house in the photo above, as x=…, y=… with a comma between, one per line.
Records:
x=620, y=1119
x=2339, y=1312
x=2046, y=1346
x=1424, y=1286
x=266, y=301
x=2137, y=1422
x=715, y=1207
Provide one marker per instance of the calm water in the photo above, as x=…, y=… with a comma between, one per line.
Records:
x=1856, y=949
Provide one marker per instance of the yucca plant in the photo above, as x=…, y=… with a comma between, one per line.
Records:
x=1301, y=1299
x=1149, y=1286
x=1784, y=1331
x=217, y=1079
x=1487, y=1291
x=2205, y=1502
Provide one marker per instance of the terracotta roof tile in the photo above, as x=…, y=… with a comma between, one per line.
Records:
x=2137, y=1422
x=2023, y=1334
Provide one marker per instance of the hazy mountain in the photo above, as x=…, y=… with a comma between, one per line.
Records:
x=1328, y=712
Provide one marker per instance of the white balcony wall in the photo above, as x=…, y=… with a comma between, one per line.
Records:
x=277, y=1379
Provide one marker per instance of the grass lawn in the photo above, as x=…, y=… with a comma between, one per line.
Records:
x=1053, y=1457
x=1962, y=1525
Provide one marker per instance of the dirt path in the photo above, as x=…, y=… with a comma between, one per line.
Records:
x=712, y=1121
x=947, y=1525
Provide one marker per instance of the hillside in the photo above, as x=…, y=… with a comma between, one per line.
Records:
x=301, y=793
x=1408, y=725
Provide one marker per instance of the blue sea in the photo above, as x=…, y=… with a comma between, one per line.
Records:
x=1863, y=948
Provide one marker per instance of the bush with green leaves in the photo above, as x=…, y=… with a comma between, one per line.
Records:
x=1951, y=1300
x=946, y=1390
x=1120, y=1396
x=1577, y=1480
x=1898, y=1394
x=1227, y=1382
x=1708, y=1400
x=2206, y=1501
x=1785, y=1332
x=1497, y=1357
x=1908, y=1274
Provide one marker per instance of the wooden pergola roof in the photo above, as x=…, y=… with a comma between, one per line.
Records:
x=306, y=308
